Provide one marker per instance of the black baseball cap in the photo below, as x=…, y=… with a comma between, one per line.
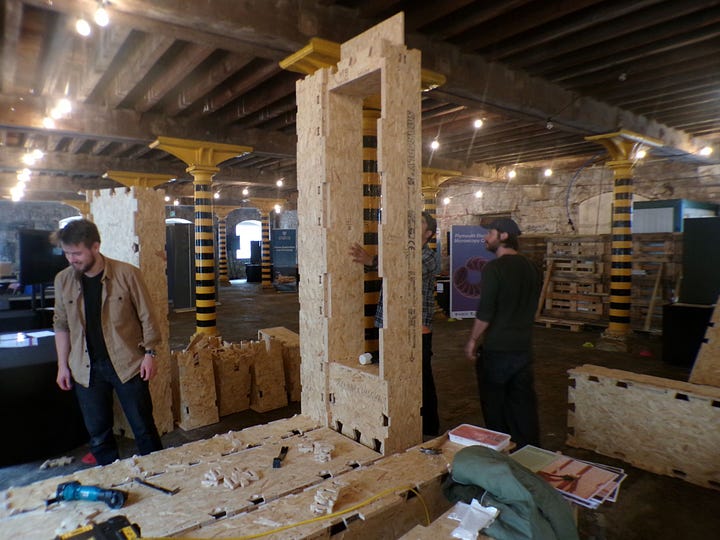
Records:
x=505, y=225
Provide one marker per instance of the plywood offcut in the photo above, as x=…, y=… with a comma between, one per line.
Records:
x=706, y=369
x=660, y=425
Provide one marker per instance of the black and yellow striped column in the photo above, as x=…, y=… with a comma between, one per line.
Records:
x=202, y=159
x=431, y=180
x=222, y=213
x=371, y=217
x=265, y=206
x=621, y=146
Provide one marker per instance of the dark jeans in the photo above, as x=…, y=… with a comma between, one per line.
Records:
x=429, y=411
x=507, y=394
x=96, y=404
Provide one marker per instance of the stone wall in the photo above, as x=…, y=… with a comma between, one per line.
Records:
x=546, y=205
x=27, y=215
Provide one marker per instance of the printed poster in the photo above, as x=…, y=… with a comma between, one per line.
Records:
x=283, y=247
x=468, y=255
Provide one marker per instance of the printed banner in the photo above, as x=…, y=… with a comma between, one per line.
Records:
x=283, y=244
x=468, y=255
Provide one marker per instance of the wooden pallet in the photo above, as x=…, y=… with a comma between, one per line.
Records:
x=573, y=326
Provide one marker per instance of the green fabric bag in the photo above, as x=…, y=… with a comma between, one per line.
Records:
x=530, y=508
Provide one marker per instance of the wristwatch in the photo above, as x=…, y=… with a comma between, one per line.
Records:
x=151, y=352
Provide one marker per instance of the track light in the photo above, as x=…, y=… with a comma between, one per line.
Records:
x=83, y=27
x=477, y=124
x=101, y=16
x=245, y=191
x=548, y=172
x=435, y=144
x=512, y=174
x=706, y=151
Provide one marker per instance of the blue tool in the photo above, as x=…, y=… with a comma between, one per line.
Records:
x=75, y=491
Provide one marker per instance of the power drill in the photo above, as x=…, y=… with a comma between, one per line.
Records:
x=75, y=491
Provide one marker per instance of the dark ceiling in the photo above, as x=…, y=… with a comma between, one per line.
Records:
x=541, y=75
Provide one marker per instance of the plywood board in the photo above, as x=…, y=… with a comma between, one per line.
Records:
x=291, y=357
x=233, y=379
x=268, y=375
x=196, y=389
x=707, y=365
x=329, y=179
x=442, y=527
x=389, y=511
x=660, y=425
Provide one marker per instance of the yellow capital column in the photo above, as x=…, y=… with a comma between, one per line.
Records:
x=621, y=146
x=82, y=206
x=202, y=158
x=318, y=54
x=431, y=180
x=138, y=179
x=222, y=213
x=265, y=206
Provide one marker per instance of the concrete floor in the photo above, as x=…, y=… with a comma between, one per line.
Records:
x=650, y=507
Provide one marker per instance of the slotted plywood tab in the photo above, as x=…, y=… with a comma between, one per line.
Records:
x=707, y=366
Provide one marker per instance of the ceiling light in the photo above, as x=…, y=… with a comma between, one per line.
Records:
x=38, y=154
x=29, y=159
x=83, y=27
x=549, y=124
x=478, y=194
x=48, y=123
x=167, y=198
x=245, y=191
x=640, y=154
x=435, y=144
x=278, y=208
x=101, y=17
x=279, y=183
x=706, y=150
x=446, y=201
x=478, y=123
x=217, y=195
x=176, y=202
x=55, y=113
x=512, y=174
x=548, y=172
x=24, y=175
x=64, y=106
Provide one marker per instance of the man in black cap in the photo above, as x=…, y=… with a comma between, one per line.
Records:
x=510, y=290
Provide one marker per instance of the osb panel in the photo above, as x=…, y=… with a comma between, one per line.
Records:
x=233, y=379
x=196, y=385
x=358, y=404
x=442, y=527
x=131, y=222
x=392, y=30
x=184, y=467
x=707, y=366
x=389, y=516
x=664, y=426
x=291, y=357
x=268, y=375
x=311, y=172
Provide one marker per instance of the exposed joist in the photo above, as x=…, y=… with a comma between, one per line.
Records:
x=11, y=16
x=187, y=60
x=93, y=121
x=108, y=45
x=147, y=52
x=282, y=87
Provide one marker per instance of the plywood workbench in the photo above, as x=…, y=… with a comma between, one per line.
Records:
x=279, y=498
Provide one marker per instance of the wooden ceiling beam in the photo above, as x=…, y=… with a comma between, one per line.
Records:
x=136, y=67
x=521, y=19
x=11, y=11
x=205, y=81
x=269, y=113
x=616, y=36
x=280, y=87
x=54, y=68
x=107, y=47
x=479, y=14
x=229, y=92
x=129, y=126
x=184, y=63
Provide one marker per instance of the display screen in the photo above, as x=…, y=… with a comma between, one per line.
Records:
x=40, y=259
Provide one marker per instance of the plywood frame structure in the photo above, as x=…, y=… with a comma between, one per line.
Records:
x=377, y=405
x=659, y=425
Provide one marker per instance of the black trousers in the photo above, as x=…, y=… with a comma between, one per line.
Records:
x=507, y=394
x=429, y=410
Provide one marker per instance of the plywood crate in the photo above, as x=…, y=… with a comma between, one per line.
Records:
x=268, y=375
x=660, y=425
x=291, y=357
x=197, y=399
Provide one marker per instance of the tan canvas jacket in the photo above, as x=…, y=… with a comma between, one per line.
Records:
x=128, y=322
